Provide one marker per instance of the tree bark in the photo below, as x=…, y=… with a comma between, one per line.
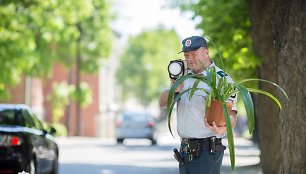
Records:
x=266, y=111
x=289, y=24
x=278, y=31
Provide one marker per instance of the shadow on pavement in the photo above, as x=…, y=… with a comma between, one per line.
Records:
x=251, y=169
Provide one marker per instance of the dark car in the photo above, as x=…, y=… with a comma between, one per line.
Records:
x=24, y=144
x=135, y=125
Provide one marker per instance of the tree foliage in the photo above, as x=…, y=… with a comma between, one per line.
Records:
x=143, y=65
x=61, y=94
x=35, y=34
x=227, y=25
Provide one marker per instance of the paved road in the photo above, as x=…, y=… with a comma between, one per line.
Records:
x=83, y=155
x=95, y=156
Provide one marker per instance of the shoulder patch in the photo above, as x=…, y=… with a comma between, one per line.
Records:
x=221, y=74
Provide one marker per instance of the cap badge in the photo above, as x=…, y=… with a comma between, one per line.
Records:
x=188, y=43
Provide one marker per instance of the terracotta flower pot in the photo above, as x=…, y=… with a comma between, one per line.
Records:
x=215, y=112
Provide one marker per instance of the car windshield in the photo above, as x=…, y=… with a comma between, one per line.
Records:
x=135, y=117
x=9, y=117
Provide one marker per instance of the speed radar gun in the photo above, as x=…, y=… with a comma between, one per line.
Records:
x=177, y=68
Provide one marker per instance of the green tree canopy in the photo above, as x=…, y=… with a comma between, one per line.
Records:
x=227, y=25
x=35, y=34
x=143, y=65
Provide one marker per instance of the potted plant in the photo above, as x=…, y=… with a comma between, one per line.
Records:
x=220, y=91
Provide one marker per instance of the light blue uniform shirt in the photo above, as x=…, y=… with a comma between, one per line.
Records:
x=191, y=113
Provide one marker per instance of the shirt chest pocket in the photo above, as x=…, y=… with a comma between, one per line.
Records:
x=198, y=99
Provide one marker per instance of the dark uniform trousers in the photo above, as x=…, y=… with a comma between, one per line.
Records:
x=207, y=161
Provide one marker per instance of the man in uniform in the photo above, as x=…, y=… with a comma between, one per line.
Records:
x=201, y=148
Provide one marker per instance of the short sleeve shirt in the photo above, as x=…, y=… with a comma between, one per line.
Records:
x=191, y=113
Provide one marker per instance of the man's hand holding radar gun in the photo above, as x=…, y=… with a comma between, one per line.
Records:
x=177, y=68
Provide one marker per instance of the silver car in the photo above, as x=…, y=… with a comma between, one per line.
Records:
x=134, y=125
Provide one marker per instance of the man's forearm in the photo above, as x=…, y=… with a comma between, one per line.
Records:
x=163, y=98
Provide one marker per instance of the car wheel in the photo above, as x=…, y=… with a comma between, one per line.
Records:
x=153, y=142
x=32, y=167
x=120, y=140
x=55, y=167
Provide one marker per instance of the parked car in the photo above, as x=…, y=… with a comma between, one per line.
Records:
x=24, y=144
x=135, y=125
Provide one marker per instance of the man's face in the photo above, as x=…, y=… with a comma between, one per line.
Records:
x=197, y=60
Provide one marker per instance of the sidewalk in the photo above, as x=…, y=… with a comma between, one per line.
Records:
x=246, y=155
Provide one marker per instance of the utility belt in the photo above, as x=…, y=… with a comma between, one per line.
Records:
x=193, y=147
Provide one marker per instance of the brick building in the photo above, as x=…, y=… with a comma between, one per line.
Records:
x=96, y=119
x=34, y=92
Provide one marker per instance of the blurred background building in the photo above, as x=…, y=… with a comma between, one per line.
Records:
x=96, y=118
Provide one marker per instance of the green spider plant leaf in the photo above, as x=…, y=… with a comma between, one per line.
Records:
x=229, y=132
x=212, y=81
x=266, y=94
x=174, y=86
x=229, y=90
x=170, y=109
x=248, y=104
x=267, y=81
x=208, y=100
x=220, y=85
x=196, y=83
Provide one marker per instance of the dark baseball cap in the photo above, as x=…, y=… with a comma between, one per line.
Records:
x=193, y=43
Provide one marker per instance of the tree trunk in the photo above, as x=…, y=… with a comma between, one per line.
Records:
x=266, y=111
x=78, y=81
x=279, y=40
x=289, y=25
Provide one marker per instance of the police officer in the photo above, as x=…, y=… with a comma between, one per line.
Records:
x=201, y=147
